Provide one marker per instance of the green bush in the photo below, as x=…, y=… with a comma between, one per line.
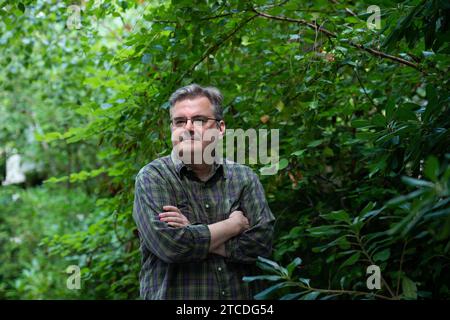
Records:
x=28, y=270
x=363, y=117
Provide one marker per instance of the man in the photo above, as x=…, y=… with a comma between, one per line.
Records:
x=202, y=223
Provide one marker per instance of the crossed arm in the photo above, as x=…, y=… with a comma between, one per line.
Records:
x=220, y=231
x=171, y=237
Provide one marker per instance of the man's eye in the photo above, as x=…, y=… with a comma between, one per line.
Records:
x=180, y=122
x=202, y=120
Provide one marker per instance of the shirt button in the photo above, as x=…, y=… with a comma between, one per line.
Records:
x=223, y=293
x=207, y=206
x=219, y=268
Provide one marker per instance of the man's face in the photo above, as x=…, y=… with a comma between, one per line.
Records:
x=191, y=139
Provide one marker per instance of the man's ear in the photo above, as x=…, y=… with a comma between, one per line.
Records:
x=221, y=127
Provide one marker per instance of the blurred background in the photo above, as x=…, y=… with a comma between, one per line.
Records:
x=360, y=96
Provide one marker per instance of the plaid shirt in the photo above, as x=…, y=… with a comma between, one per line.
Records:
x=176, y=263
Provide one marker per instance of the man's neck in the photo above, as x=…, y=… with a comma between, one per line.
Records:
x=202, y=171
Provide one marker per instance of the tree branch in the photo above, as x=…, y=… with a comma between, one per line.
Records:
x=331, y=34
x=194, y=20
x=216, y=46
x=339, y=292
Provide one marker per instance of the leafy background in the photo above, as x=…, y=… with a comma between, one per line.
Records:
x=363, y=116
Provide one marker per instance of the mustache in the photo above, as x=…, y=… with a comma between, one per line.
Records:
x=188, y=136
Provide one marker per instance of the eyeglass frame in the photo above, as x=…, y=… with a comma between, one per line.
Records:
x=192, y=121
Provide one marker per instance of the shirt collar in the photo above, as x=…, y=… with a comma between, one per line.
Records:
x=219, y=164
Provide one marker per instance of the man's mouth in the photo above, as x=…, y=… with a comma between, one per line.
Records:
x=188, y=139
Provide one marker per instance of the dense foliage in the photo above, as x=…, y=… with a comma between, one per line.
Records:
x=363, y=116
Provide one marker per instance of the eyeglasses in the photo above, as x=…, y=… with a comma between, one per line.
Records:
x=180, y=122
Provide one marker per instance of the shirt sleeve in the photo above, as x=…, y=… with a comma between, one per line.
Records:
x=257, y=240
x=172, y=245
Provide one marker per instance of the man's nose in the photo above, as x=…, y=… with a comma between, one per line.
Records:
x=189, y=125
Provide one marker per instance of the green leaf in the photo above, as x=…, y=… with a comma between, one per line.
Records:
x=294, y=264
x=291, y=296
x=305, y=281
x=379, y=120
x=390, y=106
x=271, y=290
x=315, y=143
x=341, y=242
x=310, y=296
x=21, y=6
x=283, y=164
x=409, y=288
x=382, y=255
x=48, y=137
x=361, y=123
x=339, y=215
x=404, y=114
x=433, y=103
x=431, y=169
x=323, y=230
x=271, y=266
x=298, y=153
x=352, y=260
x=416, y=182
x=262, y=277
x=401, y=199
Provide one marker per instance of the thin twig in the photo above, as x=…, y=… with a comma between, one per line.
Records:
x=363, y=250
x=351, y=12
x=301, y=21
x=364, y=88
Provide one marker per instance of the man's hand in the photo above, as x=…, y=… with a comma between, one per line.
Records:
x=239, y=222
x=173, y=217
x=226, y=229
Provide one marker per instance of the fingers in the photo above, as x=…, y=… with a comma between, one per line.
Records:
x=175, y=225
x=171, y=208
x=237, y=213
x=174, y=219
x=170, y=214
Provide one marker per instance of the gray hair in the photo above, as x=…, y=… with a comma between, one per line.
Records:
x=193, y=91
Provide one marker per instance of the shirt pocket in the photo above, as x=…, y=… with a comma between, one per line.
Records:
x=231, y=202
x=187, y=211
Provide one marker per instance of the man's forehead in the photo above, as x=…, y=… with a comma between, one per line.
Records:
x=193, y=101
x=194, y=105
